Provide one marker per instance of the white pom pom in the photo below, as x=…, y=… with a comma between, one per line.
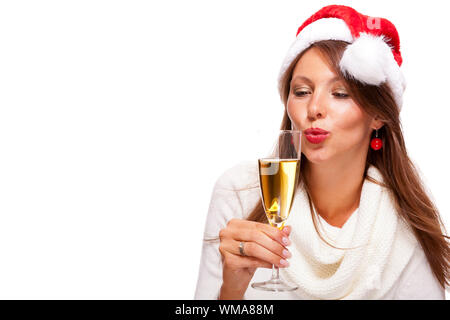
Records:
x=367, y=59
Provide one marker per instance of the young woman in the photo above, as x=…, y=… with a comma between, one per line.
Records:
x=362, y=225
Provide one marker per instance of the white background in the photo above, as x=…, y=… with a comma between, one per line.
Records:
x=117, y=117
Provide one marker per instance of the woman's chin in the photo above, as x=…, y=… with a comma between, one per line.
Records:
x=317, y=156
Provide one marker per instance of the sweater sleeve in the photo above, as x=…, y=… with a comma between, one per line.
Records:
x=418, y=281
x=224, y=205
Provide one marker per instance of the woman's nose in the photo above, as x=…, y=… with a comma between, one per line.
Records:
x=317, y=106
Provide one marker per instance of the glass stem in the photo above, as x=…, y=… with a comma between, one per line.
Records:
x=275, y=273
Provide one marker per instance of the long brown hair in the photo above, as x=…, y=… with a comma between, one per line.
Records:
x=413, y=204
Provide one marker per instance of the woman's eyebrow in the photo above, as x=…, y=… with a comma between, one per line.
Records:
x=306, y=79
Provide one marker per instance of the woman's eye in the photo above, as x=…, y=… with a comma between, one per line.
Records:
x=340, y=95
x=300, y=93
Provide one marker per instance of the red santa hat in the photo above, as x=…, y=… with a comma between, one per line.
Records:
x=373, y=55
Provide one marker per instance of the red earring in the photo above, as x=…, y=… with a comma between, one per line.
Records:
x=376, y=142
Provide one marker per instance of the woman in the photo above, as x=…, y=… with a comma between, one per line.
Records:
x=373, y=232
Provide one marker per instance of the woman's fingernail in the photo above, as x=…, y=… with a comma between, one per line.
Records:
x=286, y=241
x=284, y=263
x=286, y=253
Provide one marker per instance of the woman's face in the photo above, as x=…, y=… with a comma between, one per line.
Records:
x=318, y=99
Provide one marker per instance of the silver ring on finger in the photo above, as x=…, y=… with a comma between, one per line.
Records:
x=241, y=248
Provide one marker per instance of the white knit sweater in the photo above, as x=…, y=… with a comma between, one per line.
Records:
x=382, y=246
x=391, y=264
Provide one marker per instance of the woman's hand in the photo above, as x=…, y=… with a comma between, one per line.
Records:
x=264, y=245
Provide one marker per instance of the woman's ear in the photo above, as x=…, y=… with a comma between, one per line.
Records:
x=376, y=124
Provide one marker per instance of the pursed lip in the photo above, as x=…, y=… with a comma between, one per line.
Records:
x=316, y=135
x=315, y=131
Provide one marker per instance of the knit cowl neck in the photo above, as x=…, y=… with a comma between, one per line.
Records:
x=379, y=245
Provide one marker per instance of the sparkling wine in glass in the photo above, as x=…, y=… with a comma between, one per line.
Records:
x=278, y=181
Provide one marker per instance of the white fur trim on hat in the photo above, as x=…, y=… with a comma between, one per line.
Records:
x=323, y=29
x=369, y=59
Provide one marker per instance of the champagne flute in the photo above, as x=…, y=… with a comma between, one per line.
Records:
x=278, y=181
